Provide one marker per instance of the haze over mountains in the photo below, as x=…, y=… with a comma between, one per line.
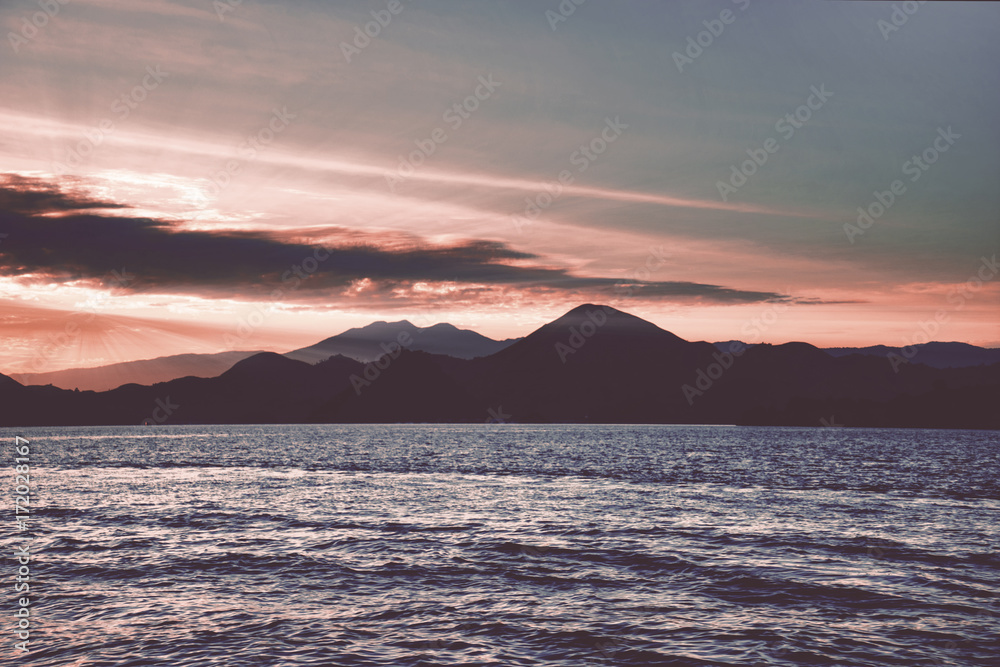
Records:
x=368, y=343
x=146, y=371
x=362, y=344
x=594, y=364
x=938, y=355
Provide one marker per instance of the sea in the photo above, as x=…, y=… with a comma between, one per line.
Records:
x=501, y=544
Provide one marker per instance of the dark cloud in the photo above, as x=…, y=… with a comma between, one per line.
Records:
x=700, y=291
x=160, y=258
x=31, y=196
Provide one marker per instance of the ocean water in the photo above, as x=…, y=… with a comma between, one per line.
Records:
x=503, y=544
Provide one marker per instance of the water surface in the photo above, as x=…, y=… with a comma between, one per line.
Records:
x=512, y=545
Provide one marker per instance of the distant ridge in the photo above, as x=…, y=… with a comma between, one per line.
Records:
x=147, y=371
x=372, y=341
x=934, y=354
x=361, y=344
x=594, y=364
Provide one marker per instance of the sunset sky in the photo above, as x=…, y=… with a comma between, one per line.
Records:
x=194, y=176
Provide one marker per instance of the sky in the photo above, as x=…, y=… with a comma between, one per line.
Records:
x=198, y=176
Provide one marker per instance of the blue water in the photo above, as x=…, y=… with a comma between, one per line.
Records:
x=508, y=545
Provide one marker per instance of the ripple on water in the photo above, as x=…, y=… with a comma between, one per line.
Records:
x=480, y=545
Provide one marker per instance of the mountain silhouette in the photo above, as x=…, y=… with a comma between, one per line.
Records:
x=934, y=354
x=593, y=364
x=371, y=342
x=145, y=371
x=363, y=344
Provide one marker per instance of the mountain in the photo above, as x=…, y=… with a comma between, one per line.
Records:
x=413, y=387
x=264, y=388
x=593, y=364
x=147, y=371
x=936, y=355
x=362, y=344
x=598, y=364
x=370, y=342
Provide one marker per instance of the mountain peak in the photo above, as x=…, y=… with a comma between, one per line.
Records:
x=587, y=307
x=263, y=362
x=379, y=328
x=441, y=326
x=370, y=342
x=608, y=318
x=613, y=332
